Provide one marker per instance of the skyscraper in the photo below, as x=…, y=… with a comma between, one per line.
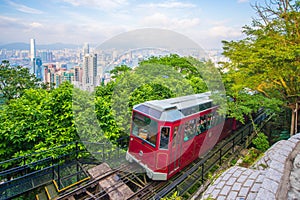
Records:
x=36, y=62
x=89, y=78
x=86, y=49
x=38, y=69
x=32, y=49
x=32, y=54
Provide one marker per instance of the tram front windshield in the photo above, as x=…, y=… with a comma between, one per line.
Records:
x=145, y=128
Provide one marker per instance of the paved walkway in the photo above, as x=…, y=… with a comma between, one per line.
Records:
x=267, y=179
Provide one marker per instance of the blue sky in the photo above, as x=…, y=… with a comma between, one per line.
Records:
x=207, y=22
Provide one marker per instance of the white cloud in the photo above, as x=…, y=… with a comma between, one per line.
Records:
x=25, y=9
x=169, y=4
x=8, y=19
x=99, y=4
x=163, y=21
x=225, y=31
x=10, y=22
x=35, y=25
x=70, y=33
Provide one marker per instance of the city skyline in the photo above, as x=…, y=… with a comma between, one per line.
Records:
x=77, y=22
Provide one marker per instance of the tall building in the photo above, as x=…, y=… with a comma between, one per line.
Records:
x=32, y=49
x=32, y=54
x=36, y=62
x=78, y=74
x=46, y=56
x=89, y=78
x=86, y=49
x=39, y=73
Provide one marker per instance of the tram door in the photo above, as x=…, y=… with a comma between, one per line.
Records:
x=175, y=149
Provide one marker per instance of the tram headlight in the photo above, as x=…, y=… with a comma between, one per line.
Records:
x=141, y=153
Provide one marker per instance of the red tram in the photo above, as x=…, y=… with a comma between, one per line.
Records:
x=167, y=135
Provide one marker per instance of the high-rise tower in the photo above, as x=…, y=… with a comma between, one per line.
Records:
x=86, y=49
x=36, y=62
x=32, y=49
x=89, y=78
x=32, y=54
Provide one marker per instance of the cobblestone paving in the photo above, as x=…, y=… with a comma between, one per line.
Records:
x=260, y=182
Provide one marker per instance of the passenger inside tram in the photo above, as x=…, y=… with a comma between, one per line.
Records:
x=164, y=138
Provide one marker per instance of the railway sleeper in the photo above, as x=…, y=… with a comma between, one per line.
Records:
x=112, y=185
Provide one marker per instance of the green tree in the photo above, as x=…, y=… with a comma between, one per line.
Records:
x=180, y=64
x=118, y=70
x=267, y=60
x=104, y=112
x=147, y=92
x=193, y=70
x=14, y=81
x=37, y=121
x=23, y=123
x=61, y=128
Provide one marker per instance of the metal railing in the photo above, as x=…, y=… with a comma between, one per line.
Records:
x=23, y=177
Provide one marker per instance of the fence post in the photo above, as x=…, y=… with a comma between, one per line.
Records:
x=118, y=152
x=76, y=148
x=233, y=144
x=220, y=156
x=242, y=138
x=77, y=170
x=202, y=173
x=58, y=175
x=103, y=152
x=53, y=169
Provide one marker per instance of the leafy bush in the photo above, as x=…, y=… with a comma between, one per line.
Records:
x=261, y=142
x=173, y=197
x=250, y=157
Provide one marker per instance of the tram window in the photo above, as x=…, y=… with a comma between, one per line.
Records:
x=190, y=110
x=164, y=137
x=202, y=125
x=174, y=139
x=205, y=106
x=208, y=121
x=149, y=111
x=189, y=130
x=145, y=128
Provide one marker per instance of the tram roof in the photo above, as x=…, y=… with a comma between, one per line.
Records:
x=180, y=102
x=171, y=109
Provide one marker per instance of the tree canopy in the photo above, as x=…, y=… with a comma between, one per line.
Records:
x=268, y=59
x=37, y=121
x=14, y=81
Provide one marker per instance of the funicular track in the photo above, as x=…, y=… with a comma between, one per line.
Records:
x=113, y=179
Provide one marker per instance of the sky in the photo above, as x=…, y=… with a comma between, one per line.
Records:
x=207, y=22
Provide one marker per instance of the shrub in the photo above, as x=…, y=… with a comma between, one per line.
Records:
x=261, y=142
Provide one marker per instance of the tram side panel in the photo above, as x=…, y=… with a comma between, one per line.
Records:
x=175, y=149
